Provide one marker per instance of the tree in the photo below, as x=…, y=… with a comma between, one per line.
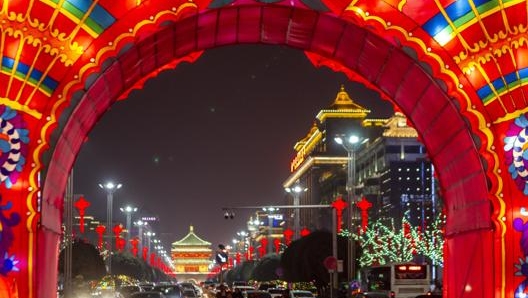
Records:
x=87, y=261
x=127, y=264
x=387, y=244
x=303, y=260
x=266, y=268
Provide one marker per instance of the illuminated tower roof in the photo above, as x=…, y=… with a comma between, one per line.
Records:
x=191, y=240
x=343, y=107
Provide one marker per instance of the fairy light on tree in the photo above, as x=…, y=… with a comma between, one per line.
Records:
x=386, y=244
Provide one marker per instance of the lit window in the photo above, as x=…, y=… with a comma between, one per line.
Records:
x=417, y=178
x=408, y=169
x=417, y=169
x=399, y=169
x=427, y=189
x=417, y=189
x=399, y=178
x=408, y=178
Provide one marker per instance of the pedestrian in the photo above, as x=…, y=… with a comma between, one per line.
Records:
x=237, y=293
x=223, y=293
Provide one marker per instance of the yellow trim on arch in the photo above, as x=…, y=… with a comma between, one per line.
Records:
x=19, y=107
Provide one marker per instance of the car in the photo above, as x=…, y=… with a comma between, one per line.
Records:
x=301, y=293
x=371, y=295
x=146, y=286
x=189, y=293
x=276, y=292
x=148, y=294
x=169, y=290
x=243, y=288
x=126, y=290
x=256, y=294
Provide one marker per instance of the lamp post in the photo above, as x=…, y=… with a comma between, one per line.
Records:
x=242, y=235
x=140, y=224
x=128, y=210
x=351, y=145
x=296, y=191
x=110, y=188
x=149, y=234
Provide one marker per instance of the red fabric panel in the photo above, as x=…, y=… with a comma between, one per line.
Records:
x=372, y=57
x=47, y=260
x=394, y=72
x=114, y=79
x=275, y=23
x=227, y=32
x=458, y=147
x=469, y=269
x=413, y=88
x=205, y=31
x=128, y=63
x=327, y=36
x=147, y=51
x=250, y=30
x=435, y=130
x=302, y=28
x=185, y=37
x=349, y=48
x=468, y=206
x=164, y=46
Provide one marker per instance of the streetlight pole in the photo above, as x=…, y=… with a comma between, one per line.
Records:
x=140, y=224
x=110, y=188
x=351, y=145
x=296, y=191
x=128, y=210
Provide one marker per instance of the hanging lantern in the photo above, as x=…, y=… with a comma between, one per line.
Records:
x=237, y=257
x=364, y=206
x=152, y=259
x=262, y=248
x=288, y=234
x=100, y=229
x=305, y=232
x=339, y=205
x=251, y=251
x=276, y=243
x=117, y=231
x=81, y=204
x=134, y=241
x=145, y=253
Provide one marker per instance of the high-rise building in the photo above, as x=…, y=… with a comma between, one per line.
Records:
x=392, y=169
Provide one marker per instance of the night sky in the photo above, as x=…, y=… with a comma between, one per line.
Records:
x=216, y=133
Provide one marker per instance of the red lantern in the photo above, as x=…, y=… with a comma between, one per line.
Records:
x=100, y=229
x=117, y=231
x=305, y=232
x=364, y=205
x=145, y=253
x=288, y=234
x=276, y=243
x=262, y=248
x=134, y=241
x=81, y=204
x=339, y=205
x=251, y=251
x=237, y=258
x=152, y=259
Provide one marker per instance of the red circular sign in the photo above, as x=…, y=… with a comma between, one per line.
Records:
x=330, y=263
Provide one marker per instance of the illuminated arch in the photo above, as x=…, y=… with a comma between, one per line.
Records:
x=455, y=69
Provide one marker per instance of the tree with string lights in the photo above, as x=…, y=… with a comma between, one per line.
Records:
x=383, y=243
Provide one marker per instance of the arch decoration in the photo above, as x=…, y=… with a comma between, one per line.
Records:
x=457, y=69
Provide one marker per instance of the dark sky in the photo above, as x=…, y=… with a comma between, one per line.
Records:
x=216, y=133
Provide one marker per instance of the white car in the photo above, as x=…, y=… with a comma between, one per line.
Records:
x=300, y=293
x=276, y=292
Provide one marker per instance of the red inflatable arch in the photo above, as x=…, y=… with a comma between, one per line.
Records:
x=457, y=69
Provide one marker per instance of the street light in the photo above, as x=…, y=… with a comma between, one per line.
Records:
x=296, y=191
x=128, y=210
x=140, y=224
x=351, y=144
x=149, y=234
x=110, y=188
